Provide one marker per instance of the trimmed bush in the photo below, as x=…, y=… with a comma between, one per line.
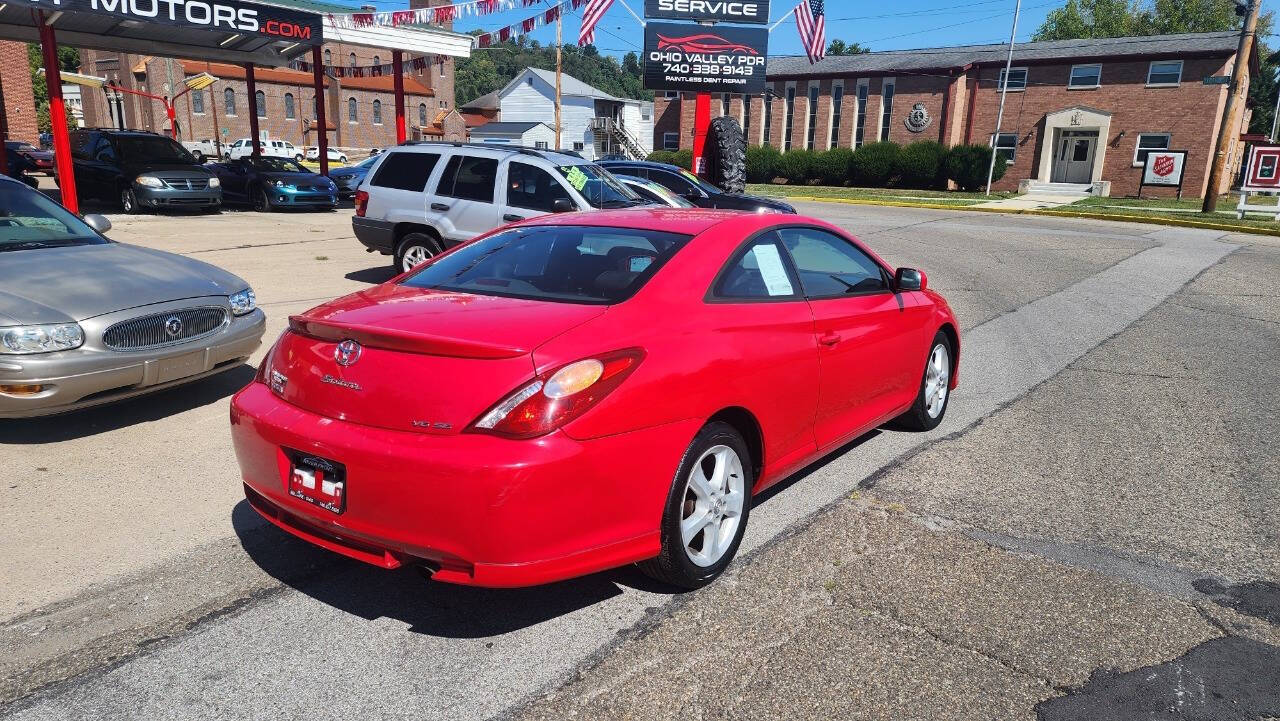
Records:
x=659, y=156
x=762, y=163
x=832, y=166
x=873, y=165
x=967, y=165
x=683, y=158
x=796, y=166
x=920, y=165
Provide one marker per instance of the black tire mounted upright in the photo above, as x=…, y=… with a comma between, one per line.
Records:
x=714, y=504
x=726, y=154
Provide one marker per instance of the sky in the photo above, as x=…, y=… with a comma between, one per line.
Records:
x=898, y=25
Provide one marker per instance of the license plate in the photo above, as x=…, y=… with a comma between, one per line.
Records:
x=171, y=369
x=318, y=481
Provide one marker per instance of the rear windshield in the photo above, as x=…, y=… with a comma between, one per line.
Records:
x=571, y=264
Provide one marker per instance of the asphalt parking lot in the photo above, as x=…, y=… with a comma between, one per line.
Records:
x=1091, y=532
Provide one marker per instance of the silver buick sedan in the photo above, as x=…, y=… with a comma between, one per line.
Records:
x=85, y=320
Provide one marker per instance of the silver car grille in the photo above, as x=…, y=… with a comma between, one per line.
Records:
x=187, y=183
x=162, y=329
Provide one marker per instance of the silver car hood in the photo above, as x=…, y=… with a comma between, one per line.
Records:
x=53, y=285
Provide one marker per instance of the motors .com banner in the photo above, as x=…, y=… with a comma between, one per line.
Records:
x=714, y=59
x=225, y=16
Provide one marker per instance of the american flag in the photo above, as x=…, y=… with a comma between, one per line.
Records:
x=813, y=29
x=591, y=16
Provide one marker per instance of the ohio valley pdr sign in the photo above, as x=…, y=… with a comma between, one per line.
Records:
x=713, y=59
x=220, y=15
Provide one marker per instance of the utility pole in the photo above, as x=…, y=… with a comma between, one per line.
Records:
x=1238, y=71
x=559, y=47
x=1004, y=91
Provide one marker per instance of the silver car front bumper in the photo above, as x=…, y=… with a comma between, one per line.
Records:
x=92, y=374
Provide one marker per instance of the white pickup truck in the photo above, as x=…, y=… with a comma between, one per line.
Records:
x=203, y=149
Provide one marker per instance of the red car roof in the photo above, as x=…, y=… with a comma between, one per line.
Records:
x=687, y=221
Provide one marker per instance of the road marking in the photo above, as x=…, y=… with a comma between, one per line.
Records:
x=366, y=643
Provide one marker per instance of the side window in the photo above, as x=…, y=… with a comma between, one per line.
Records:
x=757, y=272
x=830, y=266
x=82, y=145
x=104, y=152
x=469, y=178
x=671, y=182
x=532, y=187
x=405, y=171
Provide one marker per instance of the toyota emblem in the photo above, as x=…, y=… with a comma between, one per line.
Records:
x=347, y=352
x=173, y=326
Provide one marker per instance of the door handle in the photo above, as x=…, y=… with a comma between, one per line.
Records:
x=512, y=217
x=439, y=206
x=829, y=339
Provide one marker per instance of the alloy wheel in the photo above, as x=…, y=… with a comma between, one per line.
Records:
x=712, y=509
x=414, y=256
x=937, y=375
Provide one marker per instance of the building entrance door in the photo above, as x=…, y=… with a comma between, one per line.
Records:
x=1073, y=161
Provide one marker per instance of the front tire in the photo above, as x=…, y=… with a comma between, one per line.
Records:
x=415, y=249
x=129, y=201
x=707, y=509
x=262, y=201
x=935, y=392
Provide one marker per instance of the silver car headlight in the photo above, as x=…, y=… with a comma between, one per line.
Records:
x=149, y=181
x=243, y=302
x=26, y=339
x=215, y=183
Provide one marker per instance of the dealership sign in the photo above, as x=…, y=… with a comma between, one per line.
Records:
x=730, y=11
x=704, y=59
x=229, y=16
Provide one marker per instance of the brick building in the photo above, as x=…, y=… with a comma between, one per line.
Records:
x=359, y=112
x=18, y=111
x=1078, y=111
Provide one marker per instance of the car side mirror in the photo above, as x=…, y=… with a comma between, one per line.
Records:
x=97, y=222
x=563, y=205
x=907, y=279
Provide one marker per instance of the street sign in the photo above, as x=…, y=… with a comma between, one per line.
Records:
x=705, y=59
x=729, y=11
x=1217, y=80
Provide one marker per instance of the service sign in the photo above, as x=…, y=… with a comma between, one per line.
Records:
x=729, y=11
x=1164, y=167
x=700, y=58
x=222, y=16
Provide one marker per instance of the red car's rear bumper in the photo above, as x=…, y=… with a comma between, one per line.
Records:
x=484, y=510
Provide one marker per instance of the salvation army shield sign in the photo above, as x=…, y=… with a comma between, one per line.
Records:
x=1164, y=167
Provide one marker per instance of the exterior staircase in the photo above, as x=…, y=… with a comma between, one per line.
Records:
x=611, y=136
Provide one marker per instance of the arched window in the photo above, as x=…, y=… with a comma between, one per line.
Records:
x=328, y=57
x=377, y=60
x=377, y=112
x=352, y=114
x=197, y=102
x=353, y=60
x=229, y=100
x=290, y=111
x=422, y=113
x=260, y=104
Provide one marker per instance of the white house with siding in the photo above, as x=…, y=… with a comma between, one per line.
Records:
x=595, y=123
x=533, y=135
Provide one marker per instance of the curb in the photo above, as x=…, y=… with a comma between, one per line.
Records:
x=1114, y=217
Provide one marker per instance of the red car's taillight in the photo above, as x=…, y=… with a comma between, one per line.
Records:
x=557, y=397
x=362, y=202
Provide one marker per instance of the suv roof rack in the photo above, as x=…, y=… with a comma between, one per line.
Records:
x=521, y=149
x=119, y=130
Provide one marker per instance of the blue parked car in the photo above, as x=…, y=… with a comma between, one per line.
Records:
x=349, y=177
x=268, y=183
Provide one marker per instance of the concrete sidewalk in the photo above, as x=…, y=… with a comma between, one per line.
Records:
x=1033, y=201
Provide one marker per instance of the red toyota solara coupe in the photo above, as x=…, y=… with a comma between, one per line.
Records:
x=577, y=392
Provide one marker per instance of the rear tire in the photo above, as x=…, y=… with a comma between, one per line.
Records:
x=415, y=249
x=935, y=393
x=706, y=513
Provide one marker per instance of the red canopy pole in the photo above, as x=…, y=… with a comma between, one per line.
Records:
x=322, y=127
x=397, y=65
x=173, y=119
x=701, y=121
x=251, y=87
x=58, y=118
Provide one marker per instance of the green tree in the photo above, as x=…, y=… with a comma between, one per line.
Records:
x=69, y=60
x=1117, y=18
x=840, y=47
x=490, y=69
